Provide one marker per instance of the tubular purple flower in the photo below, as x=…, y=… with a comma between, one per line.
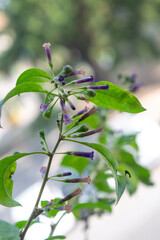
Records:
x=68, y=197
x=89, y=113
x=64, y=111
x=83, y=154
x=83, y=80
x=80, y=71
x=67, y=119
x=100, y=129
x=136, y=86
x=84, y=110
x=44, y=107
x=62, y=103
x=47, y=48
x=99, y=87
x=77, y=180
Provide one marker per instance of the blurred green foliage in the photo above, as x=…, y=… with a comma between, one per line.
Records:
x=102, y=33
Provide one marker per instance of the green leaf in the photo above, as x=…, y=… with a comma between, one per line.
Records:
x=33, y=75
x=78, y=163
x=116, y=98
x=132, y=183
x=92, y=205
x=8, y=231
x=25, y=87
x=7, y=168
x=121, y=186
x=110, y=160
x=101, y=181
x=56, y=237
x=21, y=224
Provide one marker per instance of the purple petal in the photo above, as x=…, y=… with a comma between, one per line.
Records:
x=43, y=107
x=67, y=119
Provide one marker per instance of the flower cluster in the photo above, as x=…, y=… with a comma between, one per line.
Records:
x=61, y=93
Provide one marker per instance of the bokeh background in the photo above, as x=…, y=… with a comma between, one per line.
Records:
x=108, y=38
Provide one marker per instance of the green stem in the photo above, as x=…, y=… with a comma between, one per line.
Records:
x=32, y=216
x=55, y=225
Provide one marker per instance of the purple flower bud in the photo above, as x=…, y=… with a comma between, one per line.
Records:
x=136, y=86
x=89, y=113
x=63, y=174
x=134, y=76
x=77, y=180
x=99, y=87
x=68, y=197
x=66, y=174
x=47, y=48
x=80, y=71
x=71, y=104
x=84, y=110
x=43, y=171
x=60, y=78
x=44, y=107
x=67, y=119
x=83, y=154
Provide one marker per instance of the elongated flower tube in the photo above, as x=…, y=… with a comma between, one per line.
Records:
x=99, y=87
x=78, y=180
x=80, y=71
x=100, y=129
x=68, y=197
x=84, y=110
x=63, y=106
x=44, y=107
x=64, y=111
x=83, y=80
x=47, y=48
x=82, y=154
x=89, y=113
